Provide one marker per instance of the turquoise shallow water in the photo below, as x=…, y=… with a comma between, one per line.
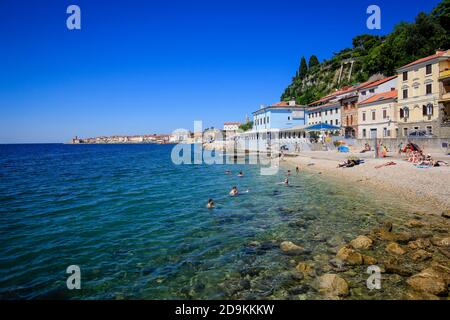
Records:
x=138, y=227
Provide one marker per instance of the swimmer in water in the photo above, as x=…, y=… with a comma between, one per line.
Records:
x=234, y=192
x=228, y=172
x=286, y=181
x=240, y=174
x=289, y=172
x=210, y=204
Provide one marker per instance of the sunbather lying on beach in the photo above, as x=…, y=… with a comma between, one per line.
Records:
x=390, y=163
x=350, y=163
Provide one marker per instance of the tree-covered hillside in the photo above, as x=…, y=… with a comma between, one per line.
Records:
x=372, y=55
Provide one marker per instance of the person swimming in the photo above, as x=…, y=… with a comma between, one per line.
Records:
x=228, y=172
x=289, y=172
x=286, y=181
x=241, y=174
x=234, y=192
x=210, y=204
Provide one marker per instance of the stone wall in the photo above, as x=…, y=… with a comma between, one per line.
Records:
x=432, y=145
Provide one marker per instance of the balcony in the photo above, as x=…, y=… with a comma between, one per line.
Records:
x=444, y=74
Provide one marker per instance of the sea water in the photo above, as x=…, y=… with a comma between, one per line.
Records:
x=138, y=227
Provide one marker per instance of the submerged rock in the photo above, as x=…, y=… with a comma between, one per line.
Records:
x=349, y=256
x=289, y=248
x=301, y=289
x=429, y=281
x=419, y=244
x=306, y=269
x=369, y=261
x=414, y=295
x=361, y=242
x=333, y=286
x=387, y=226
x=393, y=266
x=395, y=248
x=446, y=214
x=441, y=242
x=421, y=255
x=414, y=223
x=337, y=265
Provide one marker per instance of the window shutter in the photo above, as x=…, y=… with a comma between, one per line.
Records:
x=402, y=113
x=424, y=110
x=432, y=109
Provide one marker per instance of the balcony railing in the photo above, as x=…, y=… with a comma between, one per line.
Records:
x=444, y=74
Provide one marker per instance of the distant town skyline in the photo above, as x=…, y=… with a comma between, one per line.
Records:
x=141, y=67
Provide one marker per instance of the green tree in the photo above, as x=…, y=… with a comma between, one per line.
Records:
x=313, y=62
x=303, y=69
x=246, y=126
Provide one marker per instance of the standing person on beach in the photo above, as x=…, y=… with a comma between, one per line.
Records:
x=400, y=148
x=297, y=169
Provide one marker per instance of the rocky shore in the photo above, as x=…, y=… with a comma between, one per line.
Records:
x=413, y=258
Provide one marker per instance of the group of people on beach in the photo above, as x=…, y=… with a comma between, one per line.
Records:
x=235, y=192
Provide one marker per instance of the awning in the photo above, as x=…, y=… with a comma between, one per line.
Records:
x=322, y=127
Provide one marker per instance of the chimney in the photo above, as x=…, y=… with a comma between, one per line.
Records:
x=292, y=103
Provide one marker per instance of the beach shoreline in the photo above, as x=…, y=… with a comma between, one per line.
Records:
x=427, y=190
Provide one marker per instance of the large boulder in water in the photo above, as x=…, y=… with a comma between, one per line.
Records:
x=361, y=242
x=431, y=280
x=348, y=255
x=333, y=286
x=395, y=248
x=289, y=248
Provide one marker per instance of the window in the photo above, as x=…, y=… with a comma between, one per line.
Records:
x=331, y=122
x=326, y=121
x=364, y=116
x=396, y=132
x=337, y=122
x=385, y=132
x=326, y=112
x=289, y=118
x=429, y=88
x=336, y=110
x=430, y=130
x=429, y=69
x=405, y=94
x=351, y=119
x=268, y=119
x=405, y=76
x=363, y=93
x=384, y=114
x=427, y=110
x=405, y=132
x=373, y=115
x=372, y=90
x=331, y=111
x=346, y=122
x=406, y=112
x=364, y=133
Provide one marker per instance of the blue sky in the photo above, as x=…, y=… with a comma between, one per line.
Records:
x=140, y=66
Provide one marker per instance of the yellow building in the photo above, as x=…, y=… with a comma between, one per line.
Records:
x=419, y=94
x=444, y=101
x=377, y=117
